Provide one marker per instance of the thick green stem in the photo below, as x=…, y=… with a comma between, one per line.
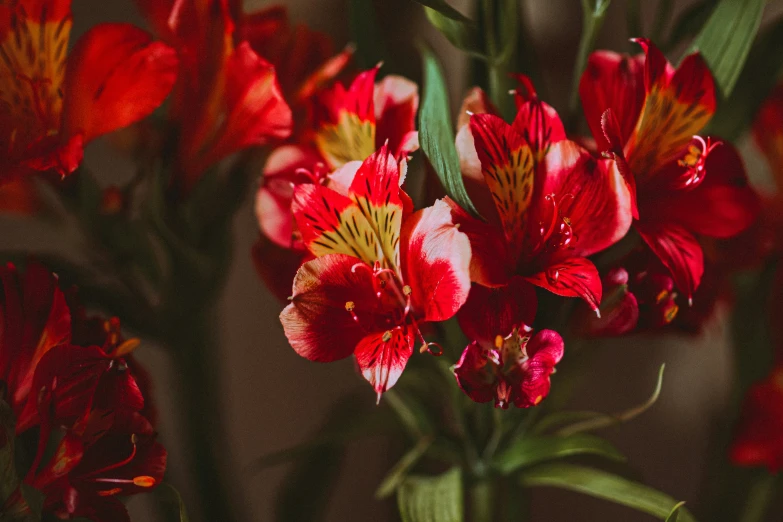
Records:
x=482, y=501
x=762, y=493
x=593, y=17
x=206, y=443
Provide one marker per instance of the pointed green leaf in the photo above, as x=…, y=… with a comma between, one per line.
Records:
x=726, y=38
x=458, y=29
x=760, y=74
x=533, y=450
x=397, y=474
x=604, y=485
x=170, y=503
x=432, y=499
x=436, y=133
x=603, y=421
x=674, y=516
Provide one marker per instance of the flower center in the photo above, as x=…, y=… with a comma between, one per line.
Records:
x=393, y=307
x=694, y=162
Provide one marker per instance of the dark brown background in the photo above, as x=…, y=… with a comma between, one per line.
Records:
x=274, y=399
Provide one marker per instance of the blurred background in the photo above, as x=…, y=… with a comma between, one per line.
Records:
x=274, y=399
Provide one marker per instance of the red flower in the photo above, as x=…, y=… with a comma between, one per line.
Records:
x=759, y=437
x=645, y=113
x=349, y=125
x=553, y=203
x=53, y=104
x=507, y=361
x=768, y=132
x=379, y=272
x=35, y=320
x=113, y=454
x=228, y=97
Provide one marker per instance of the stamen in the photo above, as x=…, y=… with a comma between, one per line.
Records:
x=116, y=465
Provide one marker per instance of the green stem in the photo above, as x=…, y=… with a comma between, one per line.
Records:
x=206, y=442
x=482, y=501
x=762, y=492
x=593, y=17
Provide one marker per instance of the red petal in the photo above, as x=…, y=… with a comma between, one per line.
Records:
x=276, y=266
x=376, y=191
x=276, y=192
x=678, y=250
x=435, y=262
x=600, y=209
x=768, y=131
x=20, y=196
x=540, y=126
x=722, y=205
x=490, y=262
x=619, y=307
x=382, y=357
x=476, y=101
x=256, y=112
x=490, y=312
x=317, y=323
x=531, y=378
x=508, y=166
x=475, y=374
x=573, y=277
x=677, y=106
x=331, y=223
x=612, y=81
x=116, y=76
x=759, y=439
x=396, y=103
x=345, y=119
x=611, y=132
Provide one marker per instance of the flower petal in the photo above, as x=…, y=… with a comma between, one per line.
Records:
x=256, y=111
x=116, y=76
x=768, y=132
x=599, y=210
x=276, y=266
x=612, y=81
x=382, y=357
x=537, y=122
x=759, y=438
x=331, y=223
x=508, y=166
x=490, y=312
x=572, y=277
x=722, y=205
x=475, y=375
x=619, y=307
x=317, y=322
x=396, y=103
x=678, y=250
x=345, y=120
x=530, y=379
x=435, y=262
x=676, y=107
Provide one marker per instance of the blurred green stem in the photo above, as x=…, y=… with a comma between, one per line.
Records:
x=593, y=12
x=762, y=492
x=482, y=501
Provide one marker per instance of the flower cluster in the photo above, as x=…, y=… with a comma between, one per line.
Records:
x=372, y=271
x=69, y=382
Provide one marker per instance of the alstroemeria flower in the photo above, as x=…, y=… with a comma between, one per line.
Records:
x=759, y=437
x=646, y=114
x=349, y=125
x=228, y=97
x=379, y=272
x=52, y=102
x=554, y=203
x=507, y=362
x=114, y=454
x=35, y=320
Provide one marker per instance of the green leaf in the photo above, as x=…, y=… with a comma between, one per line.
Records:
x=726, y=38
x=689, y=23
x=170, y=503
x=604, y=420
x=432, y=499
x=604, y=485
x=674, y=516
x=34, y=499
x=436, y=133
x=458, y=29
x=397, y=474
x=501, y=34
x=759, y=76
x=535, y=449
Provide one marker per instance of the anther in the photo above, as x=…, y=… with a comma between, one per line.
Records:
x=406, y=290
x=349, y=306
x=387, y=335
